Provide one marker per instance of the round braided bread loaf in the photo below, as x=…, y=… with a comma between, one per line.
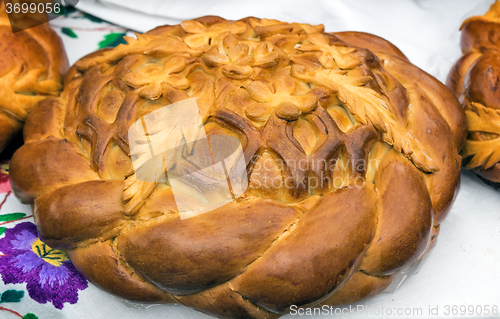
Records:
x=290, y=93
x=32, y=64
x=475, y=81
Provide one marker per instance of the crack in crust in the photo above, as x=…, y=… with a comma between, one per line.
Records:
x=311, y=111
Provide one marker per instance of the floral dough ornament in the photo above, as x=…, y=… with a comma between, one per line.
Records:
x=290, y=93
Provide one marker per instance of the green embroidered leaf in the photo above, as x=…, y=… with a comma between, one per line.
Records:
x=69, y=32
x=30, y=316
x=92, y=18
x=65, y=10
x=11, y=217
x=68, y=10
x=2, y=230
x=112, y=40
x=12, y=296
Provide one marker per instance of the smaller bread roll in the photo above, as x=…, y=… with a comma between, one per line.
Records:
x=32, y=65
x=475, y=81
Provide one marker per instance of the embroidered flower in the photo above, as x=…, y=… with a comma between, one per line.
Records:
x=4, y=178
x=48, y=273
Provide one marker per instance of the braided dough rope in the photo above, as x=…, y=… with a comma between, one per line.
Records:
x=291, y=93
x=32, y=65
x=474, y=80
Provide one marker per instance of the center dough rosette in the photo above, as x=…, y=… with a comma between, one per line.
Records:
x=377, y=140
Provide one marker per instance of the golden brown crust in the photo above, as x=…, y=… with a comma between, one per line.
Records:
x=32, y=66
x=294, y=272
x=34, y=176
x=370, y=41
x=475, y=81
x=103, y=266
x=190, y=250
x=223, y=302
x=359, y=287
x=404, y=227
x=80, y=201
x=352, y=161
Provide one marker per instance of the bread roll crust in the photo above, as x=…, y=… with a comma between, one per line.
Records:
x=378, y=140
x=32, y=66
x=474, y=79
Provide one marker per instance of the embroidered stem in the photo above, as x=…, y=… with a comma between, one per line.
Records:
x=5, y=199
x=12, y=311
x=11, y=221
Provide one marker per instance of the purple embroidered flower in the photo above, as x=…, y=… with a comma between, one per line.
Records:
x=48, y=273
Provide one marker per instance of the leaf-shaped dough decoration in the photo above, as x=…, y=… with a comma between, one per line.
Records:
x=371, y=107
x=484, y=152
x=148, y=44
x=331, y=55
